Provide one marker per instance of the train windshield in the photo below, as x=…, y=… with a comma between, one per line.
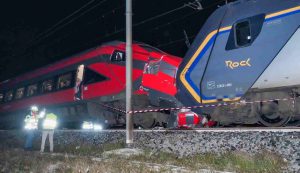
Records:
x=152, y=67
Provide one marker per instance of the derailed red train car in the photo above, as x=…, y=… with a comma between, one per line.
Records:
x=101, y=72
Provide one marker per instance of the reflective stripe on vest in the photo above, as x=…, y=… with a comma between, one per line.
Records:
x=31, y=122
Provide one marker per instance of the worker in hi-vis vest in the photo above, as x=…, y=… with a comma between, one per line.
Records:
x=30, y=125
x=49, y=124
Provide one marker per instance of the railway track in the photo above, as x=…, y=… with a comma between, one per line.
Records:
x=230, y=129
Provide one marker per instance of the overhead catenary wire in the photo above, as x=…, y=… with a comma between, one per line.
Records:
x=61, y=21
x=59, y=25
x=173, y=21
x=73, y=19
x=147, y=20
x=163, y=25
x=66, y=35
x=90, y=22
x=158, y=16
x=192, y=36
x=175, y=41
x=102, y=15
x=161, y=15
x=49, y=32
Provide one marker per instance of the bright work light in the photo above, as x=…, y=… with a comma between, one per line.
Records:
x=97, y=127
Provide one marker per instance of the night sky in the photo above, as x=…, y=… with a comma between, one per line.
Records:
x=30, y=38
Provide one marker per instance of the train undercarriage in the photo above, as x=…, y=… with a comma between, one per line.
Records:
x=271, y=108
x=110, y=113
x=260, y=108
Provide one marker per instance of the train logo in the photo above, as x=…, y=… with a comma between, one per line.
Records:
x=236, y=64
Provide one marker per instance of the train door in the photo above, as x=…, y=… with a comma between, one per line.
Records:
x=79, y=83
x=89, y=82
x=92, y=87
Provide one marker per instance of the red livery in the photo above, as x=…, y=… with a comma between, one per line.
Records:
x=77, y=85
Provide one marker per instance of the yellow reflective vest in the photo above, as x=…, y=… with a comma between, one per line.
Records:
x=31, y=122
x=50, y=121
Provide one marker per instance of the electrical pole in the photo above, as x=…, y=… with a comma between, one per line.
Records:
x=129, y=115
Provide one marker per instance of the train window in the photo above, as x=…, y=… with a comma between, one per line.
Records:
x=1, y=97
x=118, y=56
x=64, y=81
x=9, y=95
x=47, y=86
x=243, y=33
x=92, y=77
x=168, y=69
x=32, y=90
x=20, y=93
x=152, y=67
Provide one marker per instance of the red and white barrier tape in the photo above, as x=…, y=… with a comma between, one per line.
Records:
x=195, y=107
x=210, y=105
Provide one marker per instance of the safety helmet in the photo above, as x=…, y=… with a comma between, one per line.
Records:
x=34, y=108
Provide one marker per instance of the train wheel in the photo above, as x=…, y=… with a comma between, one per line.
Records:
x=271, y=116
x=144, y=120
x=274, y=121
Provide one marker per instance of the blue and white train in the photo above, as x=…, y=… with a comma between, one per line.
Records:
x=248, y=50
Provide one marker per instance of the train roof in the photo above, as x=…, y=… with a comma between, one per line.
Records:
x=144, y=48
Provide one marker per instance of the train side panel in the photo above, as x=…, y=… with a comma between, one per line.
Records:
x=232, y=68
x=283, y=71
x=253, y=56
x=232, y=71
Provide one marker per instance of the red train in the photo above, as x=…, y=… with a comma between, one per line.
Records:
x=77, y=85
